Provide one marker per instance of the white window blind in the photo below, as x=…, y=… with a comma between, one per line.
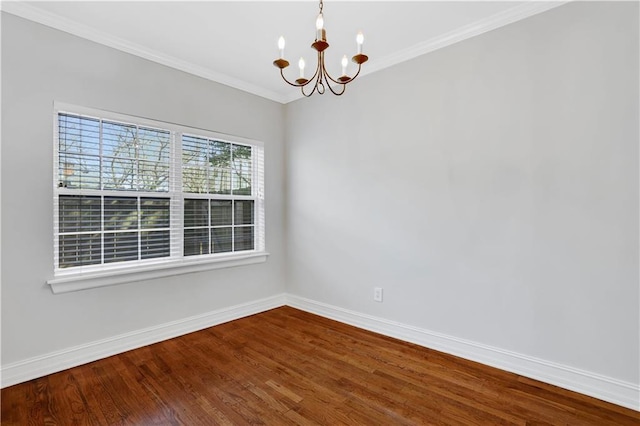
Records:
x=131, y=192
x=223, y=220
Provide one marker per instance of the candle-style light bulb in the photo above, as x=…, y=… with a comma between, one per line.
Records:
x=360, y=41
x=281, y=46
x=319, y=26
x=344, y=65
x=301, y=65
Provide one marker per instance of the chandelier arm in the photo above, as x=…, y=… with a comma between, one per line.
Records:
x=313, y=78
x=358, y=72
x=310, y=93
x=332, y=79
x=293, y=84
x=297, y=84
x=350, y=78
x=320, y=73
x=344, y=87
x=318, y=69
x=307, y=95
x=302, y=86
x=328, y=76
x=342, y=83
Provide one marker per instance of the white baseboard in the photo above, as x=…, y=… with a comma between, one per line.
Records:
x=53, y=362
x=585, y=382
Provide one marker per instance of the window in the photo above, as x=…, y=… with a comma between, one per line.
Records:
x=133, y=195
x=215, y=223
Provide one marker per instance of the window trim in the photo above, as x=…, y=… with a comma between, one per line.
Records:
x=93, y=276
x=130, y=273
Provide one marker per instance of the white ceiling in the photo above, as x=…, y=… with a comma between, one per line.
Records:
x=235, y=42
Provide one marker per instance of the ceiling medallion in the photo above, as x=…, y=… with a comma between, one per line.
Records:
x=321, y=76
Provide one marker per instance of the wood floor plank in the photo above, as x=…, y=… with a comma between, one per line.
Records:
x=289, y=367
x=14, y=408
x=71, y=400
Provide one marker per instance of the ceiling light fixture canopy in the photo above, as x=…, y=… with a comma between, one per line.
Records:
x=321, y=76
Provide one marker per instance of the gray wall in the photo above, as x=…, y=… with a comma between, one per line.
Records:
x=491, y=189
x=40, y=65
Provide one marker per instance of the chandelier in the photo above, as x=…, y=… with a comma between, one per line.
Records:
x=321, y=77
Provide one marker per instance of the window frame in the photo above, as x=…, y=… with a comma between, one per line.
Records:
x=91, y=276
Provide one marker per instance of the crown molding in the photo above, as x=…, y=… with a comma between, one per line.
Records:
x=474, y=29
x=509, y=16
x=40, y=16
x=514, y=14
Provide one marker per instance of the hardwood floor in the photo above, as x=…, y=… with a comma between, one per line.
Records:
x=287, y=367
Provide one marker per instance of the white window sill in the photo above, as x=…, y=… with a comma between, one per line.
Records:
x=65, y=283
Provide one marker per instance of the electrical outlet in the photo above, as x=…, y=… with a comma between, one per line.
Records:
x=377, y=294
